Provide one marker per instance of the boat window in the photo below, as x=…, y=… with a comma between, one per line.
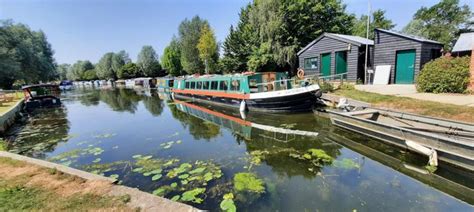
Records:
x=214, y=85
x=253, y=86
x=199, y=85
x=193, y=85
x=235, y=85
x=187, y=84
x=205, y=85
x=170, y=83
x=223, y=85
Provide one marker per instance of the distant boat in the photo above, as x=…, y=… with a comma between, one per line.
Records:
x=66, y=85
x=41, y=95
x=265, y=91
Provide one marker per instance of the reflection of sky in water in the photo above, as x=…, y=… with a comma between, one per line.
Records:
x=124, y=124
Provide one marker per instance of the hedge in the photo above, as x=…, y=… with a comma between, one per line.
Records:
x=444, y=75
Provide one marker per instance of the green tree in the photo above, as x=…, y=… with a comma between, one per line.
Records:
x=274, y=31
x=189, y=34
x=239, y=44
x=443, y=21
x=78, y=69
x=415, y=27
x=104, y=68
x=171, y=59
x=378, y=20
x=208, y=49
x=25, y=55
x=89, y=75
x=62, y=71
x=148, y=63
x=124, y=55
x=129, y=70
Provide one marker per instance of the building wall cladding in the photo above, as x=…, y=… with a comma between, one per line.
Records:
x=331, y=45
x=387, y=45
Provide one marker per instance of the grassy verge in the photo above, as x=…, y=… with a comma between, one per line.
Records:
x=428, y=108
x=4, y=107
x=25, y=187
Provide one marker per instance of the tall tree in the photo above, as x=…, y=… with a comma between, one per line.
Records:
x=129, y=70
x=78, y=69
x=239, y=44
x=62, y=71
x=378, y=20
x=25, y=55
x=415, y=27
x=117, y=63
x=276, y=30
x=171, y=59
x=104, y=67
x=208, y=49
x=124, y=55
x=147, y=62
x=189, y=34
x=443, y=21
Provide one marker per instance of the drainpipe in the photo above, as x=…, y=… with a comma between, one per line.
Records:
x=471, y=70
x=367, y=46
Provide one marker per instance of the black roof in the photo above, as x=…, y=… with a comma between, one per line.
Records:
x=39, y=85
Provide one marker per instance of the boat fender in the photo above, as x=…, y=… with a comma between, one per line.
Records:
x=243, y=106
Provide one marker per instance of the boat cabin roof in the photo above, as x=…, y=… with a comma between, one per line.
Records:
x=39, y=86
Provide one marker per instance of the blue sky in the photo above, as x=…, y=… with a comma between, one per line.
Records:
x=86, y=29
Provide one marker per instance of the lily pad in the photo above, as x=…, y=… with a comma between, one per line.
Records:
x=114, y=176
x=183, y=176
x=192, y=195
x=174, y=185
x=228, y=205
x=175, y=198
x=246, y=181
x=96, y=160
x=156, y=177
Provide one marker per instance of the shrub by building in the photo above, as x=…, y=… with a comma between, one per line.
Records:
x=445, y=75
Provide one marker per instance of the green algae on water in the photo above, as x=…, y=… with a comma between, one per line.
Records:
x=246, y=181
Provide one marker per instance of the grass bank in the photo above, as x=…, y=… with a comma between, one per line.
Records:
x=428, y=108
x=27, y=187
x=6, y=106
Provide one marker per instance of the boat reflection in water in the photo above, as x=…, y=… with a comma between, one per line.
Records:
x=455, y=182
x=239, y=125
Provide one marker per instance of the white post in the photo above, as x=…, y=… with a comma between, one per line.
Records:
x=367, y=46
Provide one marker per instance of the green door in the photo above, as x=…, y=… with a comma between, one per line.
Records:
x=405, y=67
x=326, y=64
x=341, y=62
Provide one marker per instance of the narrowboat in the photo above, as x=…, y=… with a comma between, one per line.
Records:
x=265, y=91
x=41, y=95
x=164, y=84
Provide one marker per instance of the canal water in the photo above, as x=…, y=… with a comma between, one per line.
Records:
x=214, y=158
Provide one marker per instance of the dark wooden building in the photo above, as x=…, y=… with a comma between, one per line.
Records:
x=333, y=54
x=405, y=54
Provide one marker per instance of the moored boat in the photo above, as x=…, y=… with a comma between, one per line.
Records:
x=449, y=141
x=266, y=91
x=41, y=95
x=164, y=84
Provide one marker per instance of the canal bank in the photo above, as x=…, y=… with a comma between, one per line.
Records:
x=46, y=177
x=262, y=168
x=8, y=117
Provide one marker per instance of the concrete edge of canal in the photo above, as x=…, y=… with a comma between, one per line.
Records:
x=9, y=117
x=138, y=199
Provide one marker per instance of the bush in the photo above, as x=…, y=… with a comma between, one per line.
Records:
x=326, y=87
x=444, y=75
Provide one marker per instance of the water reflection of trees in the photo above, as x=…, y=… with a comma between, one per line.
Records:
x=198, y=128
x=153, y=104
x=123, y=99
x=40, y=133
